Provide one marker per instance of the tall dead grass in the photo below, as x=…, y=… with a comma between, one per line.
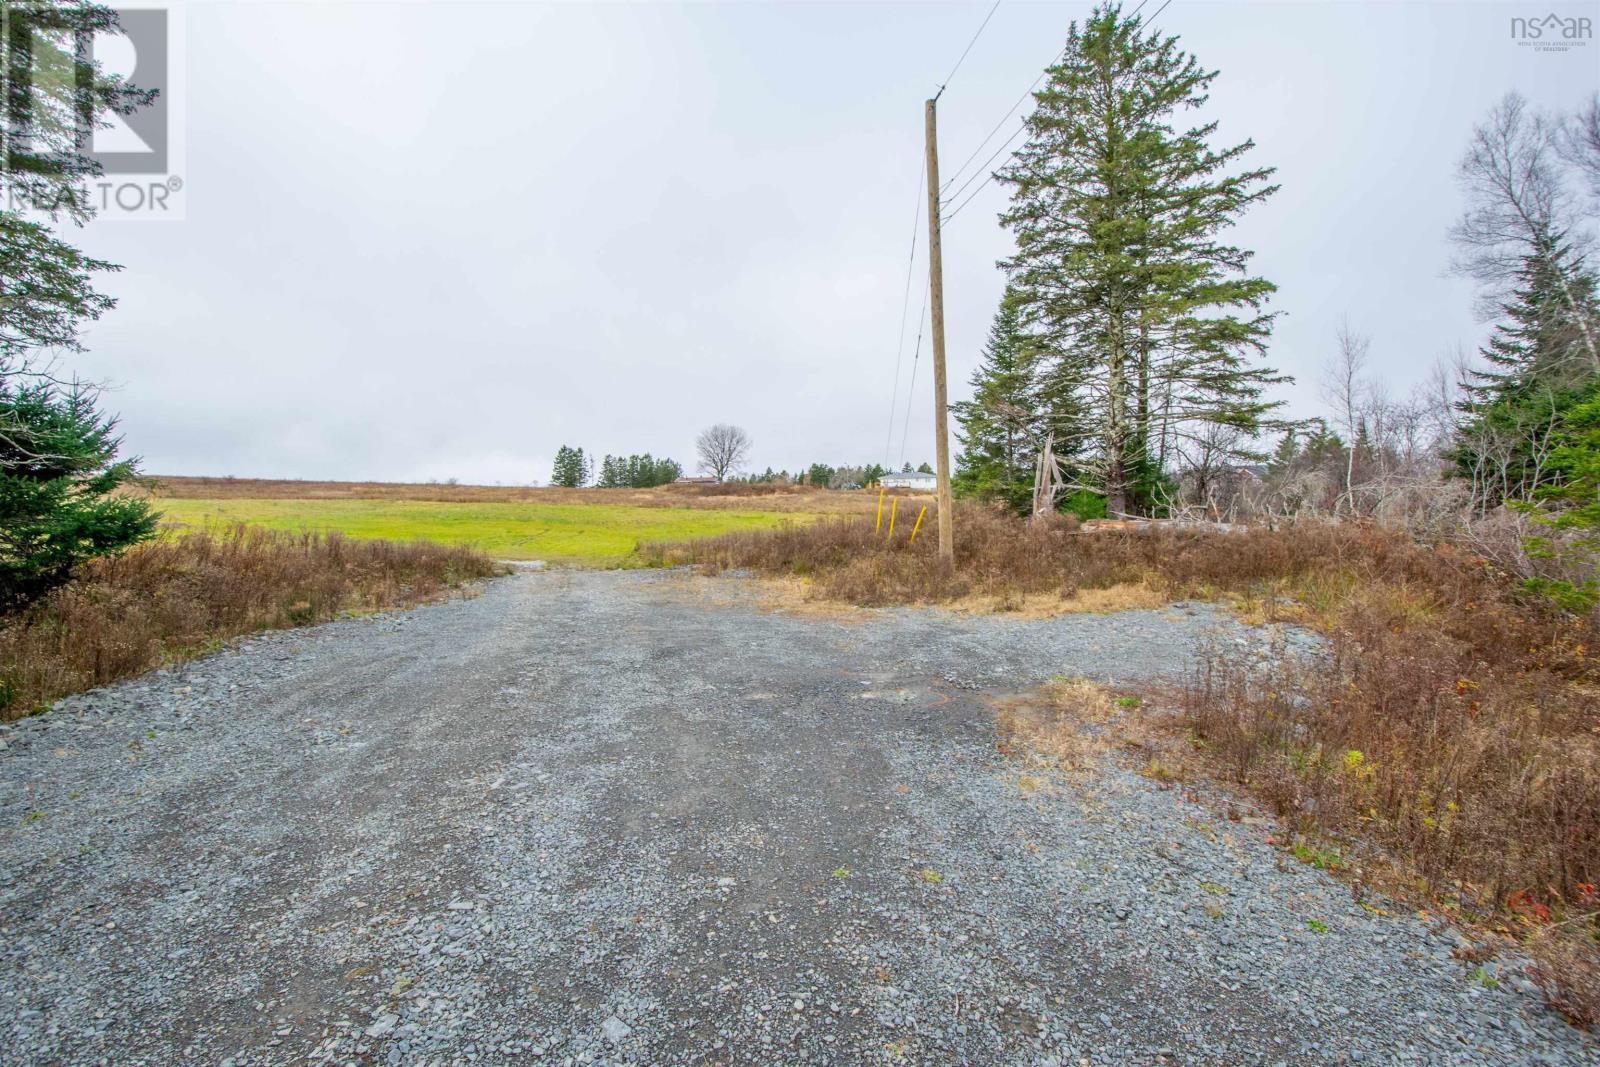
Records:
x=998, y=555
x=171, y=598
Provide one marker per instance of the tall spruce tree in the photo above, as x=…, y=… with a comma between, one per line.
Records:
x=58, y=453
x=613, y=473
x=1003, y=426
x=571, y=469
x=1537, y=369
x=1121, y=272
x=54, y=91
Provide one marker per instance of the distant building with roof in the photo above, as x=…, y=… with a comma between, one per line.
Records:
x=916, y=481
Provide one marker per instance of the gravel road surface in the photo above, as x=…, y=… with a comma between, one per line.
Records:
x=643, y=818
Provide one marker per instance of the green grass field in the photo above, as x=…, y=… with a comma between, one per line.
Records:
x=602, y=534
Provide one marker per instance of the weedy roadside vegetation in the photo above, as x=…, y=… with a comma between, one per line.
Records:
x=172, y=598
x=1448, y=720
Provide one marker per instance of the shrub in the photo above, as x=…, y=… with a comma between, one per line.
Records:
x=58, y=476
x=1447, y=721
x=168, y=599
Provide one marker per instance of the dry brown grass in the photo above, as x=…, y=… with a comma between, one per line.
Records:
x=173, y=598
x=1003, y=563
x=1055, y=726
x=1566, y=963
x=735, y=495
x=1126, y=596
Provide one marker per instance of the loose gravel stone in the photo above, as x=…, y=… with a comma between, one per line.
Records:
x=644, y=818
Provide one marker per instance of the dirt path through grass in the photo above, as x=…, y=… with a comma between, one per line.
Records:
x=633, y=817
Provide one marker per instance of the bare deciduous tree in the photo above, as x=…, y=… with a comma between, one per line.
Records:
x=722, y=449
x=1345, y=390
x=1518, y=207
x=1514, y=193
x=1579, y=144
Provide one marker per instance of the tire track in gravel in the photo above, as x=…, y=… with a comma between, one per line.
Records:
x=640, y=818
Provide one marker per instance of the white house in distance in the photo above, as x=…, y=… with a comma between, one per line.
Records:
x=916, y=481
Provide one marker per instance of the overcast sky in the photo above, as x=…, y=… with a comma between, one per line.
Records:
x=439, y=240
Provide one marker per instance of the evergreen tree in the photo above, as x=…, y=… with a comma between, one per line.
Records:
x=571, y=469
x=45, y=291
x=1121, y=273
x=58, y=465
x=1283, y=457
x=1537, y=369
x=613, y=473
x=1571, y=501
x=1001, y=427
x=667, y=471
x=58, y=473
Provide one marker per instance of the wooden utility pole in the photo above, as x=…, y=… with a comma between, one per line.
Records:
x=941, y=422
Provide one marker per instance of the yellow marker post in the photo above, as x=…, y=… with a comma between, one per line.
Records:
x=879, y=528
x=894, y=503
x=918, y=526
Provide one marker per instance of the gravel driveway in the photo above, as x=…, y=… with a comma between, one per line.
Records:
x=636, y=817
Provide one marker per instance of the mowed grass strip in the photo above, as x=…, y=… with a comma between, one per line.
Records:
x=574, y=533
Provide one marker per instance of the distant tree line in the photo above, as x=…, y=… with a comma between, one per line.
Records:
x=828, y=476
x=637, y=472
x=575, y=468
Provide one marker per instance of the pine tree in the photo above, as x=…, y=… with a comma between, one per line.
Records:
x=1537, y=368
x=1120, y=271
x=1002, y=428
x=667, y=471
x=571, y=469
x=58, y=474
x=1571, y=503
x=1284, y=455
x=1539, y=340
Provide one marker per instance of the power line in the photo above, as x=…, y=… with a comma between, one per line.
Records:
x=905, y=305
x=1009, y=112
x=970, y=43
x=980, y=172
x=946, y=219
x=910, y=265
x=911, y=392
x=999, y=125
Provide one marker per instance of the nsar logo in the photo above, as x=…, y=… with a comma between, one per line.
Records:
x=1552, y=33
